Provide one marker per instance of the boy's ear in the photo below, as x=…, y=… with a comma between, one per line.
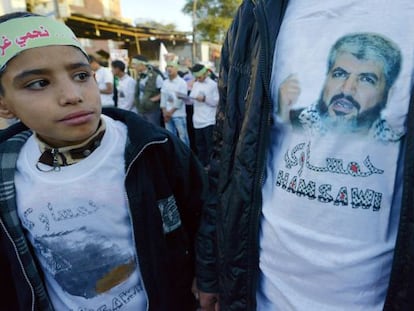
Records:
x=5, y=112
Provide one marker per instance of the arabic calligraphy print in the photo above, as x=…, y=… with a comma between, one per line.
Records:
x=22, y=40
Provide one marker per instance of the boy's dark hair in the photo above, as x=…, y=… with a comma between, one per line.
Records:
x=211, y=74
x=197, y=67
x=5, y=18
x=118, y=64
x=9, y=16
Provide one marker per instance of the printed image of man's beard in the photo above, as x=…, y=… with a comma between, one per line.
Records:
x=362, y=121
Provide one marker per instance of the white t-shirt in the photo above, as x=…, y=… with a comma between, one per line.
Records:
x=80, y=228
x=169, y=99
x=126, y=93
x=103, y=76
x=332, y=195
x=205, y=112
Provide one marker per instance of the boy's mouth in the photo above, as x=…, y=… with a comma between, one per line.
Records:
x=77, y=117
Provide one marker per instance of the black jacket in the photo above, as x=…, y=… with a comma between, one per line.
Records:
x=242, y=138
x=158, y=167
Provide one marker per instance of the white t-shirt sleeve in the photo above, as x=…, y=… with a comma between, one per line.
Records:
x=108, y=77
x=159, y=82
x=130, y=93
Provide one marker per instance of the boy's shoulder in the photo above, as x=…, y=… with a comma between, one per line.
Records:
x=13, y=130
x=142, y=134
x=139, y=130
x=12, y=140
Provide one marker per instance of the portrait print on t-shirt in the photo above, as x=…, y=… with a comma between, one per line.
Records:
x=361, y=69
x=340, y=104
x=328, y=138
x=341, y=81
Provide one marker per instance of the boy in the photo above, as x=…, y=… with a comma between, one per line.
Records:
x=105, y=80
x=97, y=212
x=126, y=86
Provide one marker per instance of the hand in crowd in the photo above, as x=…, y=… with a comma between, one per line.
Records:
x=207, y=301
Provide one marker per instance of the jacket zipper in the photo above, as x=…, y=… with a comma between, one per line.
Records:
x=129, y=209
x=252, y=274
x=20, y=263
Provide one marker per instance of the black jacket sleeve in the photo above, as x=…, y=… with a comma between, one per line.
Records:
x=8, y=295
x=207, y=260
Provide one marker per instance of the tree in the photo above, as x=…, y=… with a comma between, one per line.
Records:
x=156, y=25
x=212, y=17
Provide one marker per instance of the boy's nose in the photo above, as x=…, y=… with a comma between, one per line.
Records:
x=69, y=95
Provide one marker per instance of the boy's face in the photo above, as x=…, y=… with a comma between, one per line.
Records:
x=52, y=90
x=116, y=71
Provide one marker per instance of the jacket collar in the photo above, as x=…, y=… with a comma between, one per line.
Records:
x=140, y=134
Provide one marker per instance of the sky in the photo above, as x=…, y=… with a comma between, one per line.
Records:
x=161, y=11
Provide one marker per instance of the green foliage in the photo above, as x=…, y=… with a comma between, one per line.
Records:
x=156, y=25
x=212, y=17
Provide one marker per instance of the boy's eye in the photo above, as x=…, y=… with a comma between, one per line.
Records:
x=36, y=85
x=82, y=76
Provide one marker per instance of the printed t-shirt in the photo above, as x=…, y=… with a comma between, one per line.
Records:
x=169, y=100
x=79, y=225
x=332, y=194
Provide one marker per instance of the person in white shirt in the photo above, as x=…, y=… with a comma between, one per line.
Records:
x=105, y=81
x=173, y=108
x=206, y=97
x=126, y=86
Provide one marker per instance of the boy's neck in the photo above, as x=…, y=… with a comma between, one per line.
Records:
x=64, y=156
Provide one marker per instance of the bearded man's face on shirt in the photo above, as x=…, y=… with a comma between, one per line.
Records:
x=354, y=90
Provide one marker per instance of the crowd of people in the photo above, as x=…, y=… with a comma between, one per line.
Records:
x=181, y=98
x=297, y=195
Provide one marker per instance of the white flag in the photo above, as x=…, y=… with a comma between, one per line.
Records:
x=162, y=62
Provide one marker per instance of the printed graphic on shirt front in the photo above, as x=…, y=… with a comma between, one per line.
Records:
x=341, y=81
x=361, y=69
x=68, y=255
x=83, y=261
x=340, y=115
x=298, y=159
x=337, y=134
